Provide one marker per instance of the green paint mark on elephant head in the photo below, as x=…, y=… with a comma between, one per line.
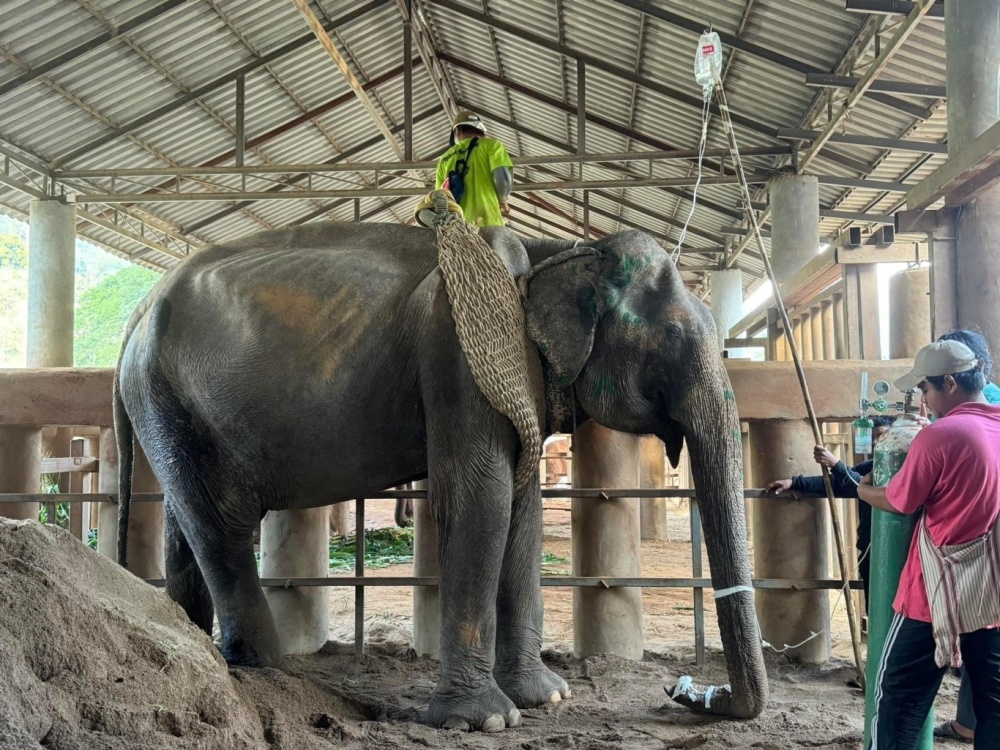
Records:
x=603, y=386
x=729, y=395
x=738, y=436
x=631, y=319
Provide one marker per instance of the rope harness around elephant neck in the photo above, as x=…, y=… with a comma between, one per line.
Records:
x=488, y=311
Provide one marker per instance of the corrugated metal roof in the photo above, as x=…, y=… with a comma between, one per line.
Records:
x=183, y=46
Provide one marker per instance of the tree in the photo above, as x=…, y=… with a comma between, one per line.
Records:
x=103, y=312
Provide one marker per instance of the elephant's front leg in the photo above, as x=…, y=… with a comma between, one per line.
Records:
x=519, y=670
x=471, y=500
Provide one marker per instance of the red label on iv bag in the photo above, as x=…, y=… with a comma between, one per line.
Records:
x=708, y=49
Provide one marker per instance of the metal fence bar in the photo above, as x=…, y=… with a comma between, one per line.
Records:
x=359, y=572
x=699, y=593
x=557, y=494
x=793, y=584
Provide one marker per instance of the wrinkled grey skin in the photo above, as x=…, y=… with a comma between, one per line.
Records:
x=262, y=373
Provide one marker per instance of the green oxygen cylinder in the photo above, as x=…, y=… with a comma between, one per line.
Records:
x=891, y=538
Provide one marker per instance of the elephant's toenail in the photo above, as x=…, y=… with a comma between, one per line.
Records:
x=456, y=722
x=567, y=694
x=554, y=697
x=494, y=723
x=513, y=718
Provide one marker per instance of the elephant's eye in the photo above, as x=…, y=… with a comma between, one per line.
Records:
x=674, y=330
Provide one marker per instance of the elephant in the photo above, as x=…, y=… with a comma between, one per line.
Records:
x=402, y=515
x=254, y=358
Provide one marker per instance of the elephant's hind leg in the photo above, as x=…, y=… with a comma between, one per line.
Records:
x=519, y=670
x=223, y=548
x=185, y=583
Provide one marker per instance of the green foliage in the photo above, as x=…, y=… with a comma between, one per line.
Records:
x=383, y=547
x=103, y=312
x=107, y=290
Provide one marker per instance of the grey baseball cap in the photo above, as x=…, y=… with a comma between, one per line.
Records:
x=939, y=358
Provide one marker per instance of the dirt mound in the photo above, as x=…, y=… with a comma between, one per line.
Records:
x=92, y=657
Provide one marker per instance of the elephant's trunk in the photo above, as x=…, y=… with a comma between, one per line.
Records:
x=712, y=430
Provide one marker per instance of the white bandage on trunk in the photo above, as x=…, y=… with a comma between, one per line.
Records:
x=723, y=593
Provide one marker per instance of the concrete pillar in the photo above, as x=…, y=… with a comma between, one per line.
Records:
x=838, y=326
x=652, y=467
x=51, y=277
x=829, y=331
x=606, y=540
x=972, y=42
x=727, y=301
x=818, y=341
x=794, y=223
x=20, y=468
x=426, y=599
x=295, y=544
x=145, y=529
x=805, y=326
x=790, y=541
x=909, y=312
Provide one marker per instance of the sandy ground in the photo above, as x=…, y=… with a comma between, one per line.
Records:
x=93, y=658
x=615, y=704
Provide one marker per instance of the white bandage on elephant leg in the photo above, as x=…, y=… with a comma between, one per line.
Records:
x=696, y=694
x=723, y=593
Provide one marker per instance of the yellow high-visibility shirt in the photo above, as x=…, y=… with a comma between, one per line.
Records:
x=479, y=201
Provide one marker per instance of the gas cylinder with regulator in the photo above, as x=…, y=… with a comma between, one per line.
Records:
x=891, y=537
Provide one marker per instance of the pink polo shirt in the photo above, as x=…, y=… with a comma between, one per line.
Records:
x=953, y=471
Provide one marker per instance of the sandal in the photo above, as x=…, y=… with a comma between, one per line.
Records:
x=946, y=731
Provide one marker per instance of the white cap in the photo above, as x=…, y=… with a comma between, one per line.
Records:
x=939, y=358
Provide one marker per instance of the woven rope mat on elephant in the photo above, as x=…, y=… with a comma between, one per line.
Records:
x=489, y=318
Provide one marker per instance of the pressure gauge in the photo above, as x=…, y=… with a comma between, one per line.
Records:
x=881, y=388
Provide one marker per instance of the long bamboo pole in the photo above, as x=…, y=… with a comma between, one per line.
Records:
x=845, y=574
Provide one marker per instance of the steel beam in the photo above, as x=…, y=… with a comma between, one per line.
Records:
x=202, y=223
x=352, y=80
x=690, y=100
x=122, y=130
x=407, y=89
x=603, y=122
x=892, y=8
x=283, y=194
x=903, y=33
x=106, y=37
x=238, y=130
x=831, y=81
x=887, y=144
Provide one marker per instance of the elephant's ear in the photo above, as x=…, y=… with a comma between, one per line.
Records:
x=673, y=440
x=562, y=308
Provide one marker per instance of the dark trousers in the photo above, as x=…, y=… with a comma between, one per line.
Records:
x=908, y=680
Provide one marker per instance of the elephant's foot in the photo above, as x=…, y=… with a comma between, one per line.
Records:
x=532, y=685
x=707, y=699
x=482, y=707
x=238, y=653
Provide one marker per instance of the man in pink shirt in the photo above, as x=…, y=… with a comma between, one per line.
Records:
x=952, y=473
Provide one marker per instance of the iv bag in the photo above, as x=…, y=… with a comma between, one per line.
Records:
x=708, y=60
